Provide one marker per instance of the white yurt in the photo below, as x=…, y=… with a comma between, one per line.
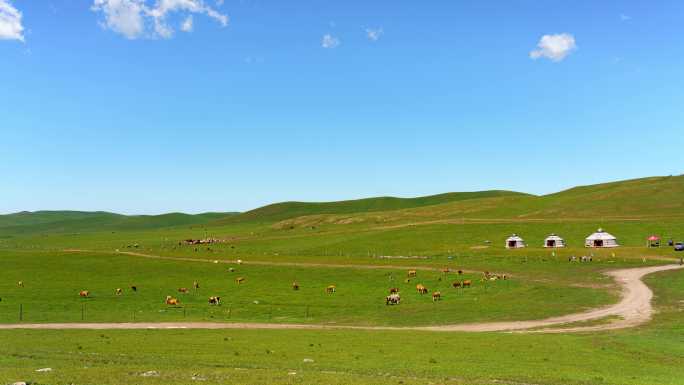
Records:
x=514, y=242
x=601, y=239
x=553, y=241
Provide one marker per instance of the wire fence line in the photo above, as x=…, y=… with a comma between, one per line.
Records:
x=88, y=312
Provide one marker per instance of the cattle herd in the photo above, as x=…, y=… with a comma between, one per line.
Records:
x=393, y=298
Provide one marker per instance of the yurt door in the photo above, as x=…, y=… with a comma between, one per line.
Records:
x=598, y=243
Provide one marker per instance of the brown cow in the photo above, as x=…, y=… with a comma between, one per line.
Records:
x=183, y=290
x=171, y=301
x=466, y=283
x=457, y=284
x=446, y=270
x=239, y=280
x=436, y=296
x=394, y=290
x=84, y=293
x=134, y=288
x=295, y=285
x=119, y=291
x=330, y=289
x=460, y=272
x=421, y=289
x=412, y=273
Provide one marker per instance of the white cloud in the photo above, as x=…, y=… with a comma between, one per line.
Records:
x=186, y=25
x=10, y=22
x=132, y=18
x=554, y=47
x=374, y=33
x=624, y=17
x=330, y=41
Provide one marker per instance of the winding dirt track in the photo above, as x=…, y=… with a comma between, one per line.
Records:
x=633, y=309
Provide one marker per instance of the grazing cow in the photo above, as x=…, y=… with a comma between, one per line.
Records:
x=183, y=290
x=231, y=270
x=214, y=300
x=331, y=289
x=84, y=293
x=412, y=273
x=446, y=270
x=460, y=272
x=239, y=261
x=295, y=285
x=195, y=285
x=421, y=289
x=134, y=288
x=457, y=284
x=119, y=291
x=394, y=290
x=20, y=283
x=466, y=283
x=436, y=296
x=239, y=280
x=392, y=299
x=172, y=301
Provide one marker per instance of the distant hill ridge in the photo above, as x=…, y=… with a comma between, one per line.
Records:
x=662, y=196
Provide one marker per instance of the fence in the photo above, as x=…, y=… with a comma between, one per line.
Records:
x=94, y=312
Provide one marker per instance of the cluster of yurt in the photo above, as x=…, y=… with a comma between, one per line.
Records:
x=599, y=239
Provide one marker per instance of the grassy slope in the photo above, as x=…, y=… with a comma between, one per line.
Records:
x=359, y=299
x=650, y=355
x=70, y=221
x=280, y=211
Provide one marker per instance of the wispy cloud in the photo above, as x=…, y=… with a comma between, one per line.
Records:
x=554, y=47
x=624, y=17
x=186, y=25
x=374, y=34
x=10, y=22
x=132, y=18
x=329, y=41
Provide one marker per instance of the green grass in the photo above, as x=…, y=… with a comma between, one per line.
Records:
x=649, y=355
x=52, y=282
x=447, y=230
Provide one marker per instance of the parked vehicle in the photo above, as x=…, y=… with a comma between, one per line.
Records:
x=679, y=246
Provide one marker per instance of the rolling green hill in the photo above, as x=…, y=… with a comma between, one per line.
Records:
x=637, y=198
x=632, y=199
x=285, y=210
x=77, y=221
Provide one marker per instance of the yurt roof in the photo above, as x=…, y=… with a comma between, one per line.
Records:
x=554, y=237
x=514, y=237
x=601, y=235
x=654, y=238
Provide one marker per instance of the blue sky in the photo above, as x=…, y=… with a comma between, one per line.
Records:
x=264, y=101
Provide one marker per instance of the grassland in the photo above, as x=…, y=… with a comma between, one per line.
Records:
x=652, y=354
x=449, y=230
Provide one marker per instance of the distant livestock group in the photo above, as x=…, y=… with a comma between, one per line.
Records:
x=393, y=298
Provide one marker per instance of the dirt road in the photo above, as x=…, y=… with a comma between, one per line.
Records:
x=633, y=309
